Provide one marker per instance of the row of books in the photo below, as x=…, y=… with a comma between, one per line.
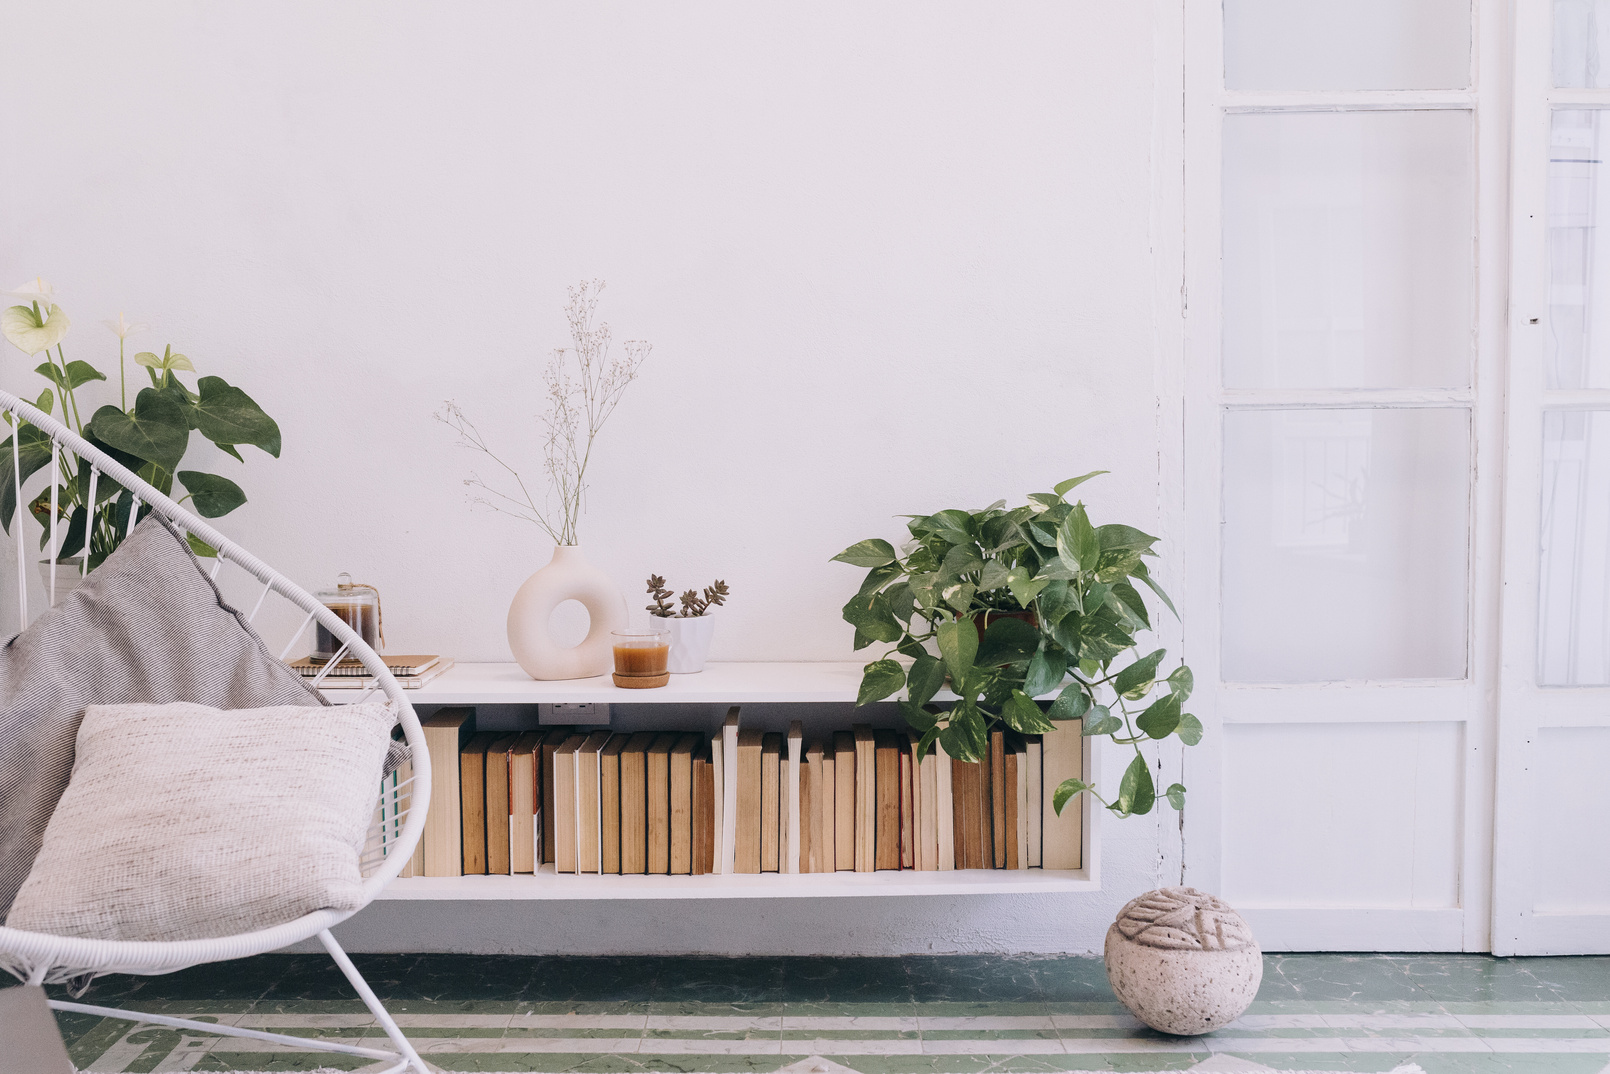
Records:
x=743, y=801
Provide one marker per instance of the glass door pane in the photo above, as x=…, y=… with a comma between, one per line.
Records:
x=1356, y=45
x=1349, y=249
x=1582, y=43
x=1345, y=537
x=1579, y=251
x=1574, y=568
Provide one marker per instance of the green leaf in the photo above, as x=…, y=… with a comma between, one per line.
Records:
x=1058, y=600
x=1062, y=488
x=926, y=743
x=958, y=644
x=918, y=717
x=33, y=453
x=1136, y=793
x=1006, y=641
x=1046, y=671
x=200, y=547
x=1077, y=543
x=1102, y=722
x=879, y=679
x=878, y=577
x=1161, y=717
x=1132, y=601
x=1047, y=537
x=959, y=596
x=1045, y=499
x=956, y=526
x=992, y=576
x=871, y=616
x=1190, y=729
x=46, y=401
x=1022, y=715
x=899, y=601
x=1135, y=680
x=1145, y=575
x=1024, y=586
x=1071, y=704
x=78, y=373
x=156, y=432
x=1181, y=682
x=1117, y=565
x=1067, y=790
x=960, y=560
x=214, y=496
x=861, y=640
x=924, y=679
x=29, y=333
x=1176, y=795
x=227, y=415
x=972, y=735
x=1114, y=536
x=869, y=553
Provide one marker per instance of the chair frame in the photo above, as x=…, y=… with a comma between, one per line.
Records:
x=40, y=958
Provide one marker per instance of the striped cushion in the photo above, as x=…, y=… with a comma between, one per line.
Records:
x=147, y=626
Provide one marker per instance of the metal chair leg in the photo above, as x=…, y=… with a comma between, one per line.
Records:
x=372, y=1001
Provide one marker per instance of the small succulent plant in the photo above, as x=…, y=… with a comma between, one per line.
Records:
x=694, y=603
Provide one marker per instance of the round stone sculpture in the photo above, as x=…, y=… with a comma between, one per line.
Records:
x=1183, y=961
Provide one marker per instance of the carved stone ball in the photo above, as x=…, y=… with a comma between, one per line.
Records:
x=1182, y=961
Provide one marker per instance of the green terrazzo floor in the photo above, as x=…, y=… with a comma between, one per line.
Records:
x=1450, y=1014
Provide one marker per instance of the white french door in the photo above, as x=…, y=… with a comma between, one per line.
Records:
x=1345, y=175
x=1552, y=853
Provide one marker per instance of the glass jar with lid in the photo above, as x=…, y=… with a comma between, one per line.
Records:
x=358, y=606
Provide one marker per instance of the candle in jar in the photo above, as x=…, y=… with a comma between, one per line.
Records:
x=361, y=616
x=641, y=659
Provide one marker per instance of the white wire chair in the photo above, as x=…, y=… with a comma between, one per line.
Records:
x=38, y=958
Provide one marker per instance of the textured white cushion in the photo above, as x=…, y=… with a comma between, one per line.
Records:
x=186, y=822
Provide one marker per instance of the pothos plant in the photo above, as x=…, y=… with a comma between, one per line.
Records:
x=1012, y=605
x=151, y=437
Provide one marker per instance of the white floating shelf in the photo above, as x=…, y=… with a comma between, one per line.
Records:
x=547, y=885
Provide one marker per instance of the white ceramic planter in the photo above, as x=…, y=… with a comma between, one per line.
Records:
x=568, y=576
x=67, y=576
x=690, y=642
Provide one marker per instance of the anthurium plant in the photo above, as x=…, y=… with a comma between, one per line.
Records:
x=151, y=437
x=1010, y=606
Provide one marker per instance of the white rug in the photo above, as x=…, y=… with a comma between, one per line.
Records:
x=815, y=1064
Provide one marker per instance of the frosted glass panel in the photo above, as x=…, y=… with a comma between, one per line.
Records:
x=1345, y=544
x=1579, y=250
x=1574, y=571
x=1356, y=45
x=1582, y=43
x=1349, y=249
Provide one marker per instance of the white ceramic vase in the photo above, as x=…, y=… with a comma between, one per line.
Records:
x=690, y=642
x=568, y=576
x=67, y=575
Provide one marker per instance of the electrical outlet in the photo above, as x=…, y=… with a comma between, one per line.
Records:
x=582, y=712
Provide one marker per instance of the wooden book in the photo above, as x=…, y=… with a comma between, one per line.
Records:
x=498, y=812
x=866, y=798
x=729, y=793
x=472, y=801
x=1010, y=804
x=1032, y=798
x=810, y=809
x=682, y=803
x=793, y=845
x=718, y=805
x=589, y=802
x=771, y=755
x=704, y=809
x=524, y=773
x=1020, y=796
x=998, y=797
x=908, y=805
x=1062, y=838
x=845, y=802
x=551, y=742
x=563, y=803
x=966, y=777
x=657, y=794
x=634, y=802
x=827, y=860
x=443, y=838
x=924, y=792
x=747, y=826
x=609, y=803
x=944, y=812
x=886, y=788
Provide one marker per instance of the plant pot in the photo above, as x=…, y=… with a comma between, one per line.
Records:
x=690, y=642
x=984, y=619
x=68, y=572
x=568, y=576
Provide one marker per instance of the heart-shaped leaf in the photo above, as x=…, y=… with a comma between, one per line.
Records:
x=158, y=430
x=1047, y=668
x=868, y=553
x=1024, y=586
x=1101, y=721
x=1071, y=704
x=1181, y=681
x=958, y=644
x=1189, y=730
x=1067, y=790
x=1136, y=792
x=29, y=332
x=924, y=679
x=879, y=679
x=1135, y=680
x=33, y=453
x=1176, y=795
x=1161, y=717
x=918, y=717
x=76, y=373
x=1063, y=487
x=1022, y=715
x=213, y=496
x=227, y=415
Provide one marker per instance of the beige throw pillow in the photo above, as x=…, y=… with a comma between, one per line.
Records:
x=185, y=822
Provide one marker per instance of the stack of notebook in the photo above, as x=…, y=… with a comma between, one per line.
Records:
x=411, y=672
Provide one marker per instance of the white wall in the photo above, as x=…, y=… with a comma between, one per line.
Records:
x=892, y=258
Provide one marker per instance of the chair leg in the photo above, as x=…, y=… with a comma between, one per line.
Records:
x=372, y=1001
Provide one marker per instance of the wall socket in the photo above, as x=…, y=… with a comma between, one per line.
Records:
x=582, y=712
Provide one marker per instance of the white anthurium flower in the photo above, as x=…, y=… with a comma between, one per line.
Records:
x=35, y=290
x=122, y=328
x=29, y=332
